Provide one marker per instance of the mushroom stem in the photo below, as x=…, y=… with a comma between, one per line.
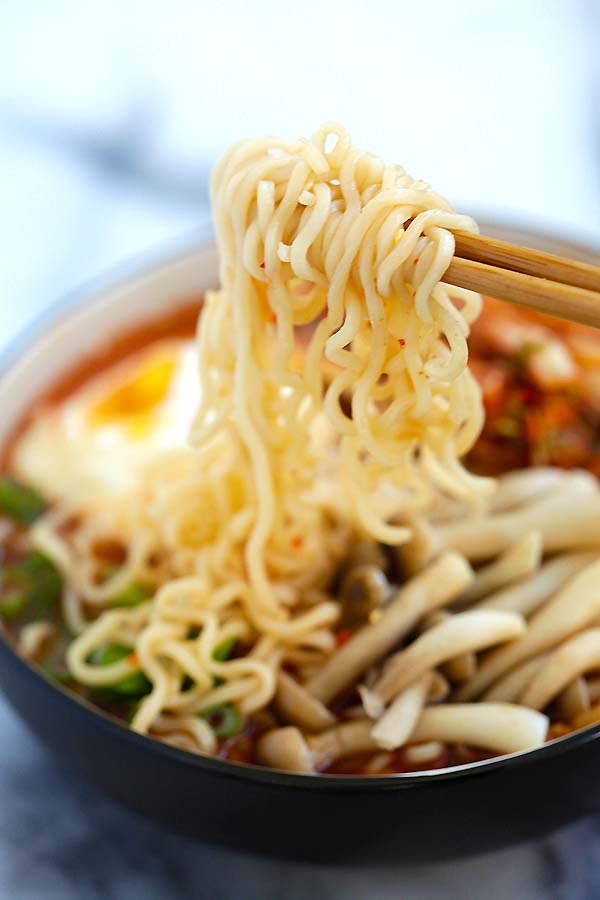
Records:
x=460, y=668
x=527, y=596
x=349, y=737
x=463, y=633
x=396, y=725
x=574, y=607
x=593, y=686
x=567, y=663
x=421, y=754
x=288, y=749
x=496, y=726
x=294, y=704
x=285, y=748
x=423, y=546
x=439, y=689
x=516, y=562
x=508, y=689
x=524, y=485
x=567, y=518
x=430, y=589
x=573, y=700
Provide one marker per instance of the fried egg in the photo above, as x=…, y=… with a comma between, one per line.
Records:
x=101, y=438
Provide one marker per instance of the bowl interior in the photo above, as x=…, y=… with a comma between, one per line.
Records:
x=90, y=320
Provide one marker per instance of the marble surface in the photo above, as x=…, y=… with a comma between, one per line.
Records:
x=111, y=114
x=60, y=840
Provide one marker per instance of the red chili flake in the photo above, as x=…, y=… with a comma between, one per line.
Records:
x=273, y=318
x=402, y=342
x=133, y=660
x=415, y=260
x=297, y=542
x=342, y=637
x=262, y=265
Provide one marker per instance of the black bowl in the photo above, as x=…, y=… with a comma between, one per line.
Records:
x=425, y=816
x=446, y=813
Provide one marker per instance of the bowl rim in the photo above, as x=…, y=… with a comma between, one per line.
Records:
x=133, y=270
x=98, y=718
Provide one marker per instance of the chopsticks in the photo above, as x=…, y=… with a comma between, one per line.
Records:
x=541, y=281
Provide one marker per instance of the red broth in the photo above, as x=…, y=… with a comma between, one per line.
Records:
x=503, y=377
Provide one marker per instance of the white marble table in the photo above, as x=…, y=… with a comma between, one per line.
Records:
x=110, y=114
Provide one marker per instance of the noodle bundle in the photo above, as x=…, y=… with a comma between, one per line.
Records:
x=336, y=403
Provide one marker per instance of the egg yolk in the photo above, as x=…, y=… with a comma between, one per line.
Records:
x=134, y=401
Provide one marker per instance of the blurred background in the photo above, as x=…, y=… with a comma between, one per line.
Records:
x=112, y=114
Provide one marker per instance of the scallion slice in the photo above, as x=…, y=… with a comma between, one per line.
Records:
x=225, y=720
x=21, y=503
x=134, y=685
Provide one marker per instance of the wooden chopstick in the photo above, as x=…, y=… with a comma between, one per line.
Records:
x=551, y=297
x=540, y=281
x=493, y=252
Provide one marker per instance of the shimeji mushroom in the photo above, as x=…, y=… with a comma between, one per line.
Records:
x=567, y=518
x=430, y=589
x=574, y=607
x=502, y=727
x=398, y=722
x=294, y=704
x=521, y=486
x=516, y=562
x=287, y=748
x=462, y=633
x=572, y=659
x=508, y=688
x=573, y=700
x=528, y=595
x=364, y=589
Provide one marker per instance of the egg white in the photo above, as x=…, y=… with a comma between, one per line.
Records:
x=71, y=454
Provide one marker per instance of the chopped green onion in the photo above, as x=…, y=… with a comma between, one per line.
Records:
x=23, y=504
x=132, y=595
x=221, y=653
x=223, y=650
x=12, y=603
x=225, y=720
x=35, y=563
x=109, y=654
x=31, y=586
x=134, y=685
